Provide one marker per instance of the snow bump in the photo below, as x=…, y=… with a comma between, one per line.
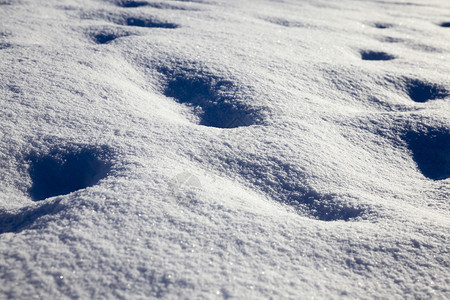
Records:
x=66, y=170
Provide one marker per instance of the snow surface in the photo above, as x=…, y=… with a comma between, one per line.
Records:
x=224, y=149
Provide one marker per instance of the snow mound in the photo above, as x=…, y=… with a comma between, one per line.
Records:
x=221, y=149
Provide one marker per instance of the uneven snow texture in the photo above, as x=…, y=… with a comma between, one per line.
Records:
x=224, y=149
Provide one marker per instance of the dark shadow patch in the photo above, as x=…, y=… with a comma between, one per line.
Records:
x=285, y=184
x=26, y=217
x=411, y=44
x=213, y=98
x=287, y=23
x=106, y=37
x=4, y=45
x=445, y=24
x=193, y=1
x=158, y=5
x=107, y=34
x=148, y=23
x=327, y=207
x=390, y=39
x=422, y=91
x=431, y=152
x=66, y=170
x=163, y=5
x=383, y=25
x=15, y=89
x=375, y=55
x=130, y=4
x=400, y=3
x=66, y=7
x=128, y=20
x=424, y=48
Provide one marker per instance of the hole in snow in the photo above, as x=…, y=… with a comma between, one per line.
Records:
x=148, y=23
x=382, y=25
x=132, y=3
x=63, y=171
x=213, y=99
x=445, y=24
x=159, y=5
x=104, y=38
x=431, y=152
x=375, y=55
x=421, y=91
x=107, y=34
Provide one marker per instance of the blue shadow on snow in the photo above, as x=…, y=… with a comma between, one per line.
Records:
x=63, y=171
x=431, y=152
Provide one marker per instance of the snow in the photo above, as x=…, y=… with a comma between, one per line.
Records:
x=224, y=149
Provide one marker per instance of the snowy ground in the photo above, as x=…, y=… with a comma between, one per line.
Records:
x=224, y=149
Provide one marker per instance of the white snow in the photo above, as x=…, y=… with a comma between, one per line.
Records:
x=224, y=149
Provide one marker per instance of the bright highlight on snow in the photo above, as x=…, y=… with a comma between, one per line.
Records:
x=216, y=149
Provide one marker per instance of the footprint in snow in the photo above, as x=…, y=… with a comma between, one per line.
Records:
x=422, y=91
x=375, y=55
x=146, y=22
x=159, y=5
x=130, y=4
x=105, y=36
x=431, y=151
x=381, y=25
x=65, y=170
x=213, y=99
